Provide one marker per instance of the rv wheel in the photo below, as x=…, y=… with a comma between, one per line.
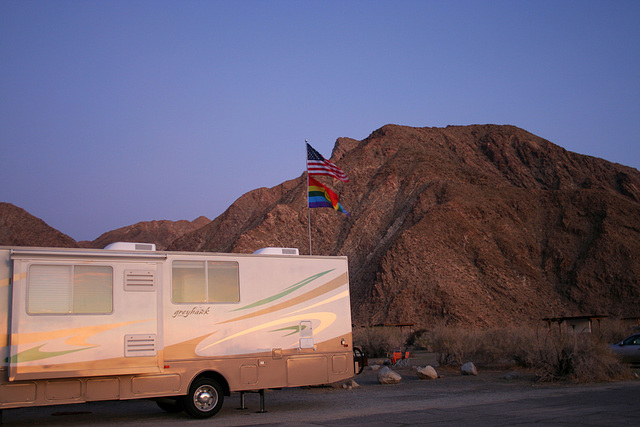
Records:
x=204, y=399
x=358, y=360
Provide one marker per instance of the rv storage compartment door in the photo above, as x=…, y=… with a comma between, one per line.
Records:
x=83, y=316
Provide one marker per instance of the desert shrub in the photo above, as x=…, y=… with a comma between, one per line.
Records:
x=508, y=345
x=453, y=345
x=378, y=341
x=578, y=358
x=414, y=337
x=613, y=330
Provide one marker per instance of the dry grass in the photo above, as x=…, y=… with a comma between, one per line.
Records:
x=578, y=358
x=378, y=341
x=553, y=355
x=613, y=330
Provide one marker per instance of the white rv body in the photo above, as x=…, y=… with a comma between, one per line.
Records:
x=82, y=325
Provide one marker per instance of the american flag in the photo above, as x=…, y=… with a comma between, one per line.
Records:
x=318, y=165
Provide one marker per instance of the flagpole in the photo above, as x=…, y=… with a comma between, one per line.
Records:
x=306, y=162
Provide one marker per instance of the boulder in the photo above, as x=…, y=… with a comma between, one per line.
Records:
x=351, y=384
x=427, y=373
x=469, y=369
x=387, y=376
x=347, y=384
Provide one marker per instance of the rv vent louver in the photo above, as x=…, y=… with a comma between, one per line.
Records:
x=145, y=247
x=277, y=251
x=139, y=345
x=131, y=246
x=139, y=280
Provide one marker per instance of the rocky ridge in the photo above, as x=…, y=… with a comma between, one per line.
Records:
x=20, y=228
x=476, y=225
x=162, y=233
x=472, y=225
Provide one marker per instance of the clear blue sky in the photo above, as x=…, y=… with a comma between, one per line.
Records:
x=115, y=112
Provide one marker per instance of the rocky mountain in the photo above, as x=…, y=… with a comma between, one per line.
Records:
x=162, y=233
x=19, y=228
x=473, y=225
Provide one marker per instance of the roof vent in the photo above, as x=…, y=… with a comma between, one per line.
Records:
x=131, y=246
x=277, y=251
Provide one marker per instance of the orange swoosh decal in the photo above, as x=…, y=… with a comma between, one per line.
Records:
x=77, y=336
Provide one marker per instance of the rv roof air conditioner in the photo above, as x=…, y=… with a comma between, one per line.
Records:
x=131, y=246
x=277, y=251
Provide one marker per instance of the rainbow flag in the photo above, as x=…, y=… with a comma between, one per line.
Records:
x=321, y=197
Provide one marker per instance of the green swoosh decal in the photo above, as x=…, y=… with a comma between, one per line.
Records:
x=294, y=329
x=36, y=354
x=286, y=292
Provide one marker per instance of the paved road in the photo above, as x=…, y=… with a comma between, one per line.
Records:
x=455, y=400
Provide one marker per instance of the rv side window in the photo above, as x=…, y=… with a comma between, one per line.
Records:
x=223, y=281
x=202, y=282
x=70, y=289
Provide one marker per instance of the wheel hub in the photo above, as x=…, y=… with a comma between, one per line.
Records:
x=205, y=398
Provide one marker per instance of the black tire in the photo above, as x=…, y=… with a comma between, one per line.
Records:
x=205, y=398
x=358, y=360
x=170, y=404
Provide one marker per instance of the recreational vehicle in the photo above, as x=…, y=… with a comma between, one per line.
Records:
x=184, y=328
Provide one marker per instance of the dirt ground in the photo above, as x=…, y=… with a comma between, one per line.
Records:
x=452, y=399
